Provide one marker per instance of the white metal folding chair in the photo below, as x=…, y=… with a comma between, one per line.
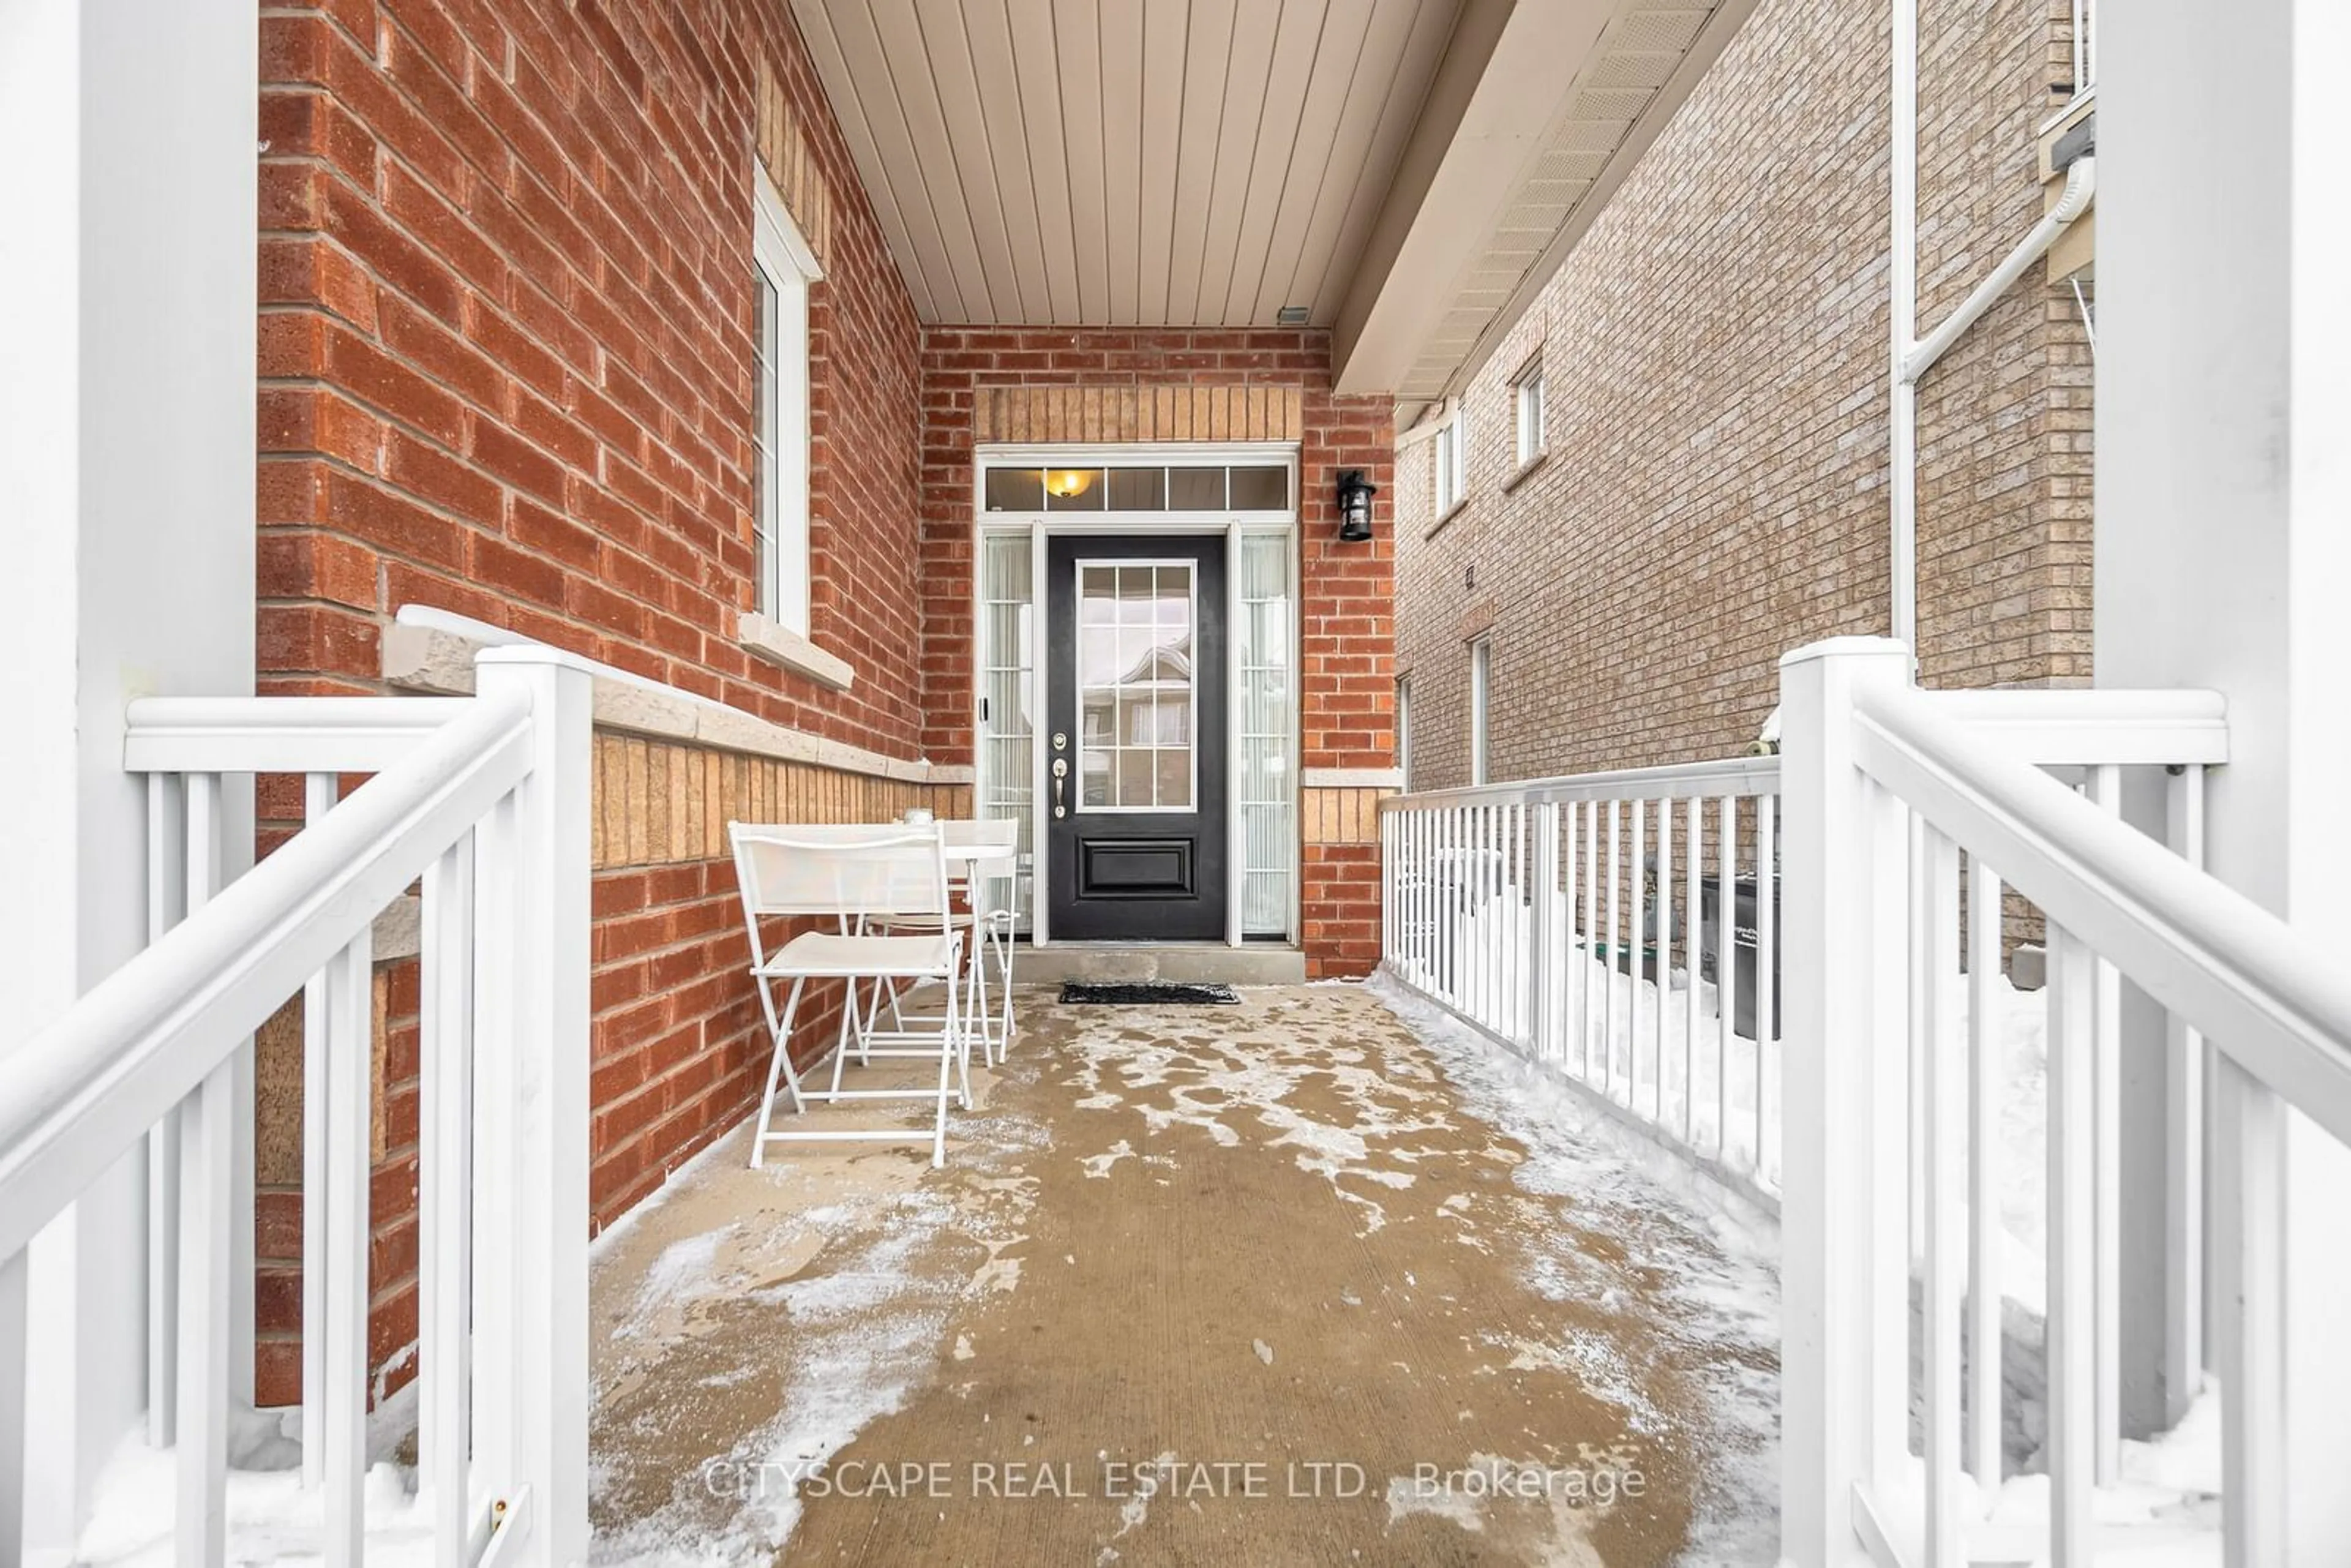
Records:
x=982, y=867
x=860, y=879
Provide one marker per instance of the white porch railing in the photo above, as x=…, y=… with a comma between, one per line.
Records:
x=1886, y=788
x=1582, y=921
x=1578, y=920
x=487, y=801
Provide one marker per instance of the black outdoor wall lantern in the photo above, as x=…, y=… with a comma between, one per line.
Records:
x=1355, y=494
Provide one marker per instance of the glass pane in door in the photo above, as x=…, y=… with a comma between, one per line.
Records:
x=1136, y=624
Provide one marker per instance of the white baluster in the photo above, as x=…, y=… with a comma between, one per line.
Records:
x=1725, y=966
x=1593, y=1007
x=2073, y=1250
x=207, y=1259
x=2106, y=790
x=1545, y=969
x=1450, y=850
x=318, y=794
x=1937, y=915
x=1665, y=965
x=1615, y=947
x=1914, y=1040
x=1985, y=1079
x=497, y=954
x=2249, y=1154
x=444, y=1194
x=1569, y=816
x=1693, y=831
x=1420, y=928
x=2184, y=1068
x=1494, y=919
x=342, y=1419
x=167, y=886
x=1635, y=889
x=207, y=855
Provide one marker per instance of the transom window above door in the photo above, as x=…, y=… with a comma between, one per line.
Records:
x=1141, y=487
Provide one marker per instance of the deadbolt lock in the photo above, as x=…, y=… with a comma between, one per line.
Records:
x=1061, y=741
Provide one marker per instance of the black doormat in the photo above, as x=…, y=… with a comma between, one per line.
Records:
x=1150, y=994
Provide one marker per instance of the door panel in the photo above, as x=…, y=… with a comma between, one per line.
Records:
x=1135, y=755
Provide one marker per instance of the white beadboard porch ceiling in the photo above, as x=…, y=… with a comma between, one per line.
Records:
x=1398, y=168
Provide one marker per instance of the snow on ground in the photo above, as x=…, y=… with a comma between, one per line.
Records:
x=2165, y=1512
x=863, y=1329
x=271, y=1518
x=1578, y=1152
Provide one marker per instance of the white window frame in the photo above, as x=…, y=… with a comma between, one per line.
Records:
x=1191, y=568
x=1235, y=526
x=1482, y=677
x=1526, y=400
x=1445, y=455
x=781, y=412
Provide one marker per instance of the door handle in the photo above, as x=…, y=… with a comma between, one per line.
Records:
x=1061, y=771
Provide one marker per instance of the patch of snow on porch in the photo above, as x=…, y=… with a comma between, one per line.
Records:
x=1231, y=1088
x=1718, y=1250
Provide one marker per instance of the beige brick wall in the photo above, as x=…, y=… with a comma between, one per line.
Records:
x=659, y=803
x=1714, y=355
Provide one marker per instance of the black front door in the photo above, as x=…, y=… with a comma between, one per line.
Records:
x=1135, y=754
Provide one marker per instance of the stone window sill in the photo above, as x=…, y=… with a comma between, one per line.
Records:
x=1526, y=471
x=764, y=639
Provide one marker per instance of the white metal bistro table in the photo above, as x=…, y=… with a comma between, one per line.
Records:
x=980, y=855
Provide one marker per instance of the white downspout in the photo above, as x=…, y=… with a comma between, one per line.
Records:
x=1903, y=286
x=1911, y=356
x=2081, y=184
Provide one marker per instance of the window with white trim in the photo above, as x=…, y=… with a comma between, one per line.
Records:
x=1445, y=450
x=1527, y=395
x=1480, y=679
x=784, y=267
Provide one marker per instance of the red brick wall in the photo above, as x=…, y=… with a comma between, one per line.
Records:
x=506, y=358
x=1128, y=385
x=506, y=349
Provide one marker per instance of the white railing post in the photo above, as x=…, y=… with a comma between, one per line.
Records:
x=1844, y=1358
x=547, y=1274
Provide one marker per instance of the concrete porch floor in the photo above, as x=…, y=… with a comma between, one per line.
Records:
x=1285, y=1283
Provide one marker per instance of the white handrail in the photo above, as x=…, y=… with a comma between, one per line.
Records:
x=278, y=735
x=1721, y=776
x=1891, y=1277
x=77, y=1094
x=2258, y=988
x=2095, y=726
